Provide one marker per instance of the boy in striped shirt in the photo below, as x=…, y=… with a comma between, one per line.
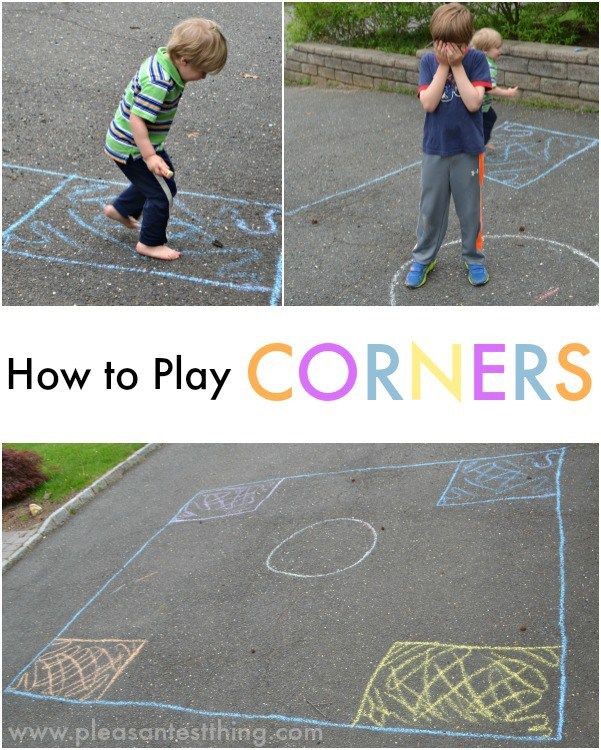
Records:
x=136, y=136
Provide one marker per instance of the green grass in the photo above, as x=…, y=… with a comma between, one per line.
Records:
x=396, y=88
x=300, y=81
x=72, y=466
x=542, y=104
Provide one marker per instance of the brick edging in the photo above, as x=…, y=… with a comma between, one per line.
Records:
x=63, y=513
x=547, y=72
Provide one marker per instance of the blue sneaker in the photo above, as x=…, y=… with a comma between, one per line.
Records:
x=477, y=274
x=418, y=273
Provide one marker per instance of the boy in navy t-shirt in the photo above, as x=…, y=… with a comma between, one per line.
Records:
x=452, y=81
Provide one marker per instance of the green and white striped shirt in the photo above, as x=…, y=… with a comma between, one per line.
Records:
x=487, y=101
x=153, y=94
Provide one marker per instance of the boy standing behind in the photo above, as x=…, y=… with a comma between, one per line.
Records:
x=490, y=42
x=452, y=81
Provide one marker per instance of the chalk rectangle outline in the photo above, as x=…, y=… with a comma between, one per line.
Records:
x=340, y=725
x=274, y=290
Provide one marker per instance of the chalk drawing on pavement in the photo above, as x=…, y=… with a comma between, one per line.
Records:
x=439, y=685
x=526, y=477
x=524, y=154
x=349, y=538
x=79, y=668
x=216, y=235
x=480, y=691
x=226, y=501
x=557, y=250
x=351, y=190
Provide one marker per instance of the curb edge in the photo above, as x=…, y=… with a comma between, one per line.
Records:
x=62, y=514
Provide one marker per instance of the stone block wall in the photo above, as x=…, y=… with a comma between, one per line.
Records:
x=549, y=72
x=355, y=67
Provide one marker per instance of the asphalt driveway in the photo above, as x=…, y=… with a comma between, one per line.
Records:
x=352, y=192
x=421, y=595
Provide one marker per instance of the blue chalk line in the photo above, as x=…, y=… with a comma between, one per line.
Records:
x=46, y=199
x=441, y=500
x=561, y=619
x=277, y=717
x=89, y=602
x=363, y=185
x=276, y=292
x=148, y=271
x=100, y=181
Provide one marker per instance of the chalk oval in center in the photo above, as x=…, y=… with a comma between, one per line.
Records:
x=325, y=548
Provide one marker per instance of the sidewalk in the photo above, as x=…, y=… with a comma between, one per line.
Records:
x=14, y=540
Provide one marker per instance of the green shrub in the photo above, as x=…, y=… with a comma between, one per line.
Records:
x=72, y=466
x=21, y=473
x=553, y=23
x=403, y=27
x=398, y=27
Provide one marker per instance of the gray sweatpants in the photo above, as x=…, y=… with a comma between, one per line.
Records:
x=442, y=176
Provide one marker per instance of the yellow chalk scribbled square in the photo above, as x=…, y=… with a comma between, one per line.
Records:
x=463, y=688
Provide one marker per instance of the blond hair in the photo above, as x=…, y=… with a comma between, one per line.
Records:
x=452, y=22
x=200, y=42
x=486, y=39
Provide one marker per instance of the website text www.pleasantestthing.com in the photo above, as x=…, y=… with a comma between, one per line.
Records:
x=210, y=732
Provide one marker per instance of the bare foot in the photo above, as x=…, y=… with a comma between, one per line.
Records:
x=162, y=252
x=128, y=221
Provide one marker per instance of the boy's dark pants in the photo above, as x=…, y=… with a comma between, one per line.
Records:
x=461, y=176
x=488, y=120
x=147, y=195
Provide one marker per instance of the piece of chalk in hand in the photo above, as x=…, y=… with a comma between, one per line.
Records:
x=169, y=174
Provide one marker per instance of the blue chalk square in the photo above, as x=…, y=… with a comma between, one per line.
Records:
x=523, y=154
x=522, y=477
x=224, y=241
